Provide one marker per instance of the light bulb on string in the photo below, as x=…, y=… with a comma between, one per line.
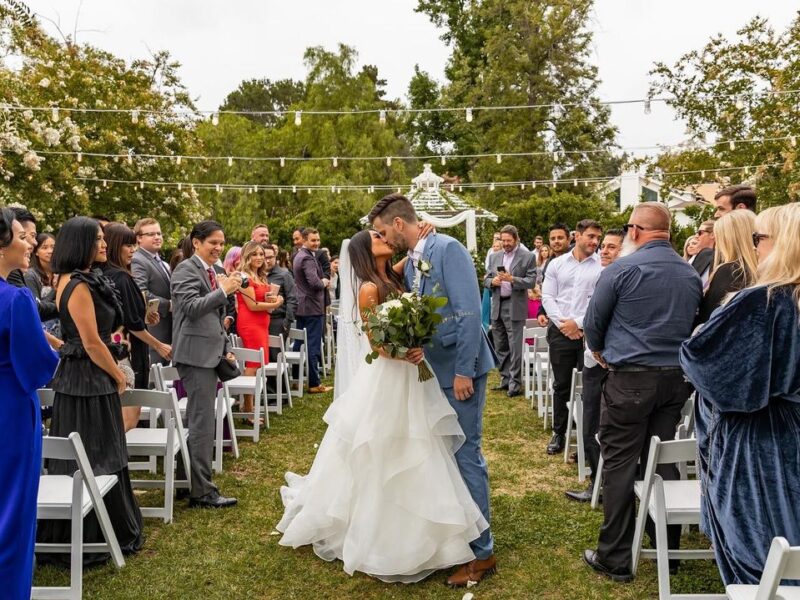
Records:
x=555, y=156
x=335, y=162
x=215, y=119
x=399, y=191
x=388, y=161
x=522, y=186
x=308, y=191
x=130, y=157
x=294, y=189
x=54, y=114
x=703, y=174
x=499, y=158
x=460, y=189
x=283, y=161
x=444, y=161
x=491, y=187
x=141, y=185
x=554, y=184
x=333, y=189
x=533, y=185
x=79, y=156
x=134, y=116
x=105, y=183
x=382, y=117
x=230, y=161
x=732, y=145
x=178, y=160
x=452, y=187
x=647, y=107
x=746, y=171
x=793, y=141
x=280, y=191
x=575, y=182
x=298, y=118
x=180, y=186
x=255, y=188
x=469, y=115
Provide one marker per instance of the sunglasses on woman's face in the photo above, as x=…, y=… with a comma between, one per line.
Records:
x=757, y=237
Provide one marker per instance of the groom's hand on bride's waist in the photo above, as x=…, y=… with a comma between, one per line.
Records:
x=462, y=387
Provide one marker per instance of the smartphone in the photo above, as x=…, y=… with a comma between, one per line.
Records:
x=152, y=306
x=501, y=269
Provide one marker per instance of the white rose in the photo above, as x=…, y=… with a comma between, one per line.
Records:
x=51, y=136
x=408, y=295
x=45, y=82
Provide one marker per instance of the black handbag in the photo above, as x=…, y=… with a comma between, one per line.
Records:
x=227, y=370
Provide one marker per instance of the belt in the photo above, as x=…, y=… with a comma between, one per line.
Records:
x=505, y=298
x=639, y=368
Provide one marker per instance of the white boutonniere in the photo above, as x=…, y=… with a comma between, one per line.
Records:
x=424, y=267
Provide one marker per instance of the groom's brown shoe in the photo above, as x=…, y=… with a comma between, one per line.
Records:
x=471, y=573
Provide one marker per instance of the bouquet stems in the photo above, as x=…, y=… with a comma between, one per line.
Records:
x=424, y=371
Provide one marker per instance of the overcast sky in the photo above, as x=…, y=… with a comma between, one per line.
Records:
x=220, y=44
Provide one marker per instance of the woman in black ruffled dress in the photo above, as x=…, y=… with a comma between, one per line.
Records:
x=87, y=386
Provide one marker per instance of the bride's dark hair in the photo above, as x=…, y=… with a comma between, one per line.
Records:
x=365, y=268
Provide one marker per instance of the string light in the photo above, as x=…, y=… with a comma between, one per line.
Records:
x=215, y=119
x=79, y=157
x=469, y=115
x=130, y=157
x=180, y=186
x=491, y=187
x=218, y=188
x=732, y=145
x=178, y=159
x=134, y=116
x=555, y=156
x=335, y=162
x=54, y=114
x=141, y=185
x=647, y=107
x=294, y=189
x=382, y=117
x=298, y=118
x=499, y=158
x=793, y=141
x=522, y=186
x=230, y=161
x=388, y=161
x=280, y=191
x=283, y=161
x=444, y=160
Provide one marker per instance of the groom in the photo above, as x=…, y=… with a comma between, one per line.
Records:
x=459, y=353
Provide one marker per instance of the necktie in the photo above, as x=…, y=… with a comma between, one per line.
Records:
x=212, y=279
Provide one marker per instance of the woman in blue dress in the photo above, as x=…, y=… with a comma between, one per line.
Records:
x=26, y=364
x=745, y=364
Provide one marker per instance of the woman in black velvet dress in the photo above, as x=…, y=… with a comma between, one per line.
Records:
x=87, y=385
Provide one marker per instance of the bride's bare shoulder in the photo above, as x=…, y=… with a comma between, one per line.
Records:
x=368, y=295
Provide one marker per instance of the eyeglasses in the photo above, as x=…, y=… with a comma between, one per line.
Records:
x=151, y=234
x=757, y=237
x=628, y=226
x=702, y=231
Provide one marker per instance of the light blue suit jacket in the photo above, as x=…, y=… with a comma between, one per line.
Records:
x=460, y=346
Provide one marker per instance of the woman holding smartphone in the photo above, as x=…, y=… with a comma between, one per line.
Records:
x=121, y=243
x=253, y=305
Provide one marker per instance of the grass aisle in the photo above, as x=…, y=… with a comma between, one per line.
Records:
x=227, y=554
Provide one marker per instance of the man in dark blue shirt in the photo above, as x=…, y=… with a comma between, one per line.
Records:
x=642, y=310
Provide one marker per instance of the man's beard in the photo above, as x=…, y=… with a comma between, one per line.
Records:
x=628, y=247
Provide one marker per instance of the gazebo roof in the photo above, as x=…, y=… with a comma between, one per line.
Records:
x=428, y=196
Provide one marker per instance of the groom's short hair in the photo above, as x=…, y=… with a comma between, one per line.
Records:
x=391, y=206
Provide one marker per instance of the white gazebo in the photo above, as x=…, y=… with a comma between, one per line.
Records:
x=443, y=208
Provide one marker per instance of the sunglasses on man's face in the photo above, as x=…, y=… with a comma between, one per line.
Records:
x=757, y=237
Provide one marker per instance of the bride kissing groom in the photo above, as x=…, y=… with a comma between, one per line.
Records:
x=399, y=487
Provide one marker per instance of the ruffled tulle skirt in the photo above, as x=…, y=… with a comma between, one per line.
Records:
x=384, y=494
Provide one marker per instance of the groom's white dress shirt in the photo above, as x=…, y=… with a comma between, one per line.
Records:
x=414, y=256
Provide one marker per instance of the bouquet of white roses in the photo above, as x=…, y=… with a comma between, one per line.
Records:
x=404, y=321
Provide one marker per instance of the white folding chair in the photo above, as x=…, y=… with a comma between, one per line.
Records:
x=235, y=341
x=298, y=358
x=576, y=416
x=529, y=359
x=543, y=373
x=167, y=442
x=783, y=562
x=65, y=497
x=255, y=385
x=674, y=502
x=280, y=372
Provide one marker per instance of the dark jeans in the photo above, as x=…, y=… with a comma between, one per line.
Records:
x=565, y=355
x=635, y=407
x=313, y=326
x=592, y=390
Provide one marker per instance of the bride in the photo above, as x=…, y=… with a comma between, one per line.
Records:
x=384, y=494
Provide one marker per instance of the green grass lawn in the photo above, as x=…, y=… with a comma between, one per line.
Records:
x=539, y=534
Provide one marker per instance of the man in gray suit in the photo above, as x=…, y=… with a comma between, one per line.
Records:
x=199, y=299
x=152, y=275
x=510, y=275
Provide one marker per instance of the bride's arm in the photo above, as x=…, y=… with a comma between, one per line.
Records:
x=400, y=266
x=367, y=300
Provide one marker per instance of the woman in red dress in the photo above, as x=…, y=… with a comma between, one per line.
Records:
x=253, y=305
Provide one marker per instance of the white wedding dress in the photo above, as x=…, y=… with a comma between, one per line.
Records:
x=384, y=494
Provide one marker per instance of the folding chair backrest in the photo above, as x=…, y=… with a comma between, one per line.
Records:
x=276, y=341
x=244, y=355
x=297, y=334
x=576, y=387
x=783, y=562
x=235, y=341
x=72, y=449
x=529, y=332
x=333, y=310
x=46, y=396
x=540, y=342
x=148, y=398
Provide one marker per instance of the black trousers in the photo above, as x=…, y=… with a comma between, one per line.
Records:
x=592, y=390
x=565, y=355
x=635, y=406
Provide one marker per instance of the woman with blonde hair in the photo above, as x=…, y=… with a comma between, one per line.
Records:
x=767, y=222
x=745, y=364
x=690, y=247
x=735, y=260
x=253, y=305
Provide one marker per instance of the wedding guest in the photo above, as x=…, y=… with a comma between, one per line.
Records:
x=153, y=275
x=26, y=364
x=734, y=197
x=175, y=259
x=260, y=234
x=334, y=286
x=199, y=299
x=534, y=304
x=538, y=242
x=496, y=246
x=745, y=363
x=233, y=258
x=121, y=242
x=690, y=247
x=541, y=261
x=767, y=223
x=282, y=259
x=310, y=286
x=566, y=292
x=735, y=260
x=703, y=261
x=87, y=385
x=25, y=218
x=593, y=375
x=511, y=274
x=282, y=317
x=297, y=244
x=559, y=237
x=253, y=304
x=40, y=280
x=641, y=310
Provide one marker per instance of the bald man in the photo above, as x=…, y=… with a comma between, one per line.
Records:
x=641, y=311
